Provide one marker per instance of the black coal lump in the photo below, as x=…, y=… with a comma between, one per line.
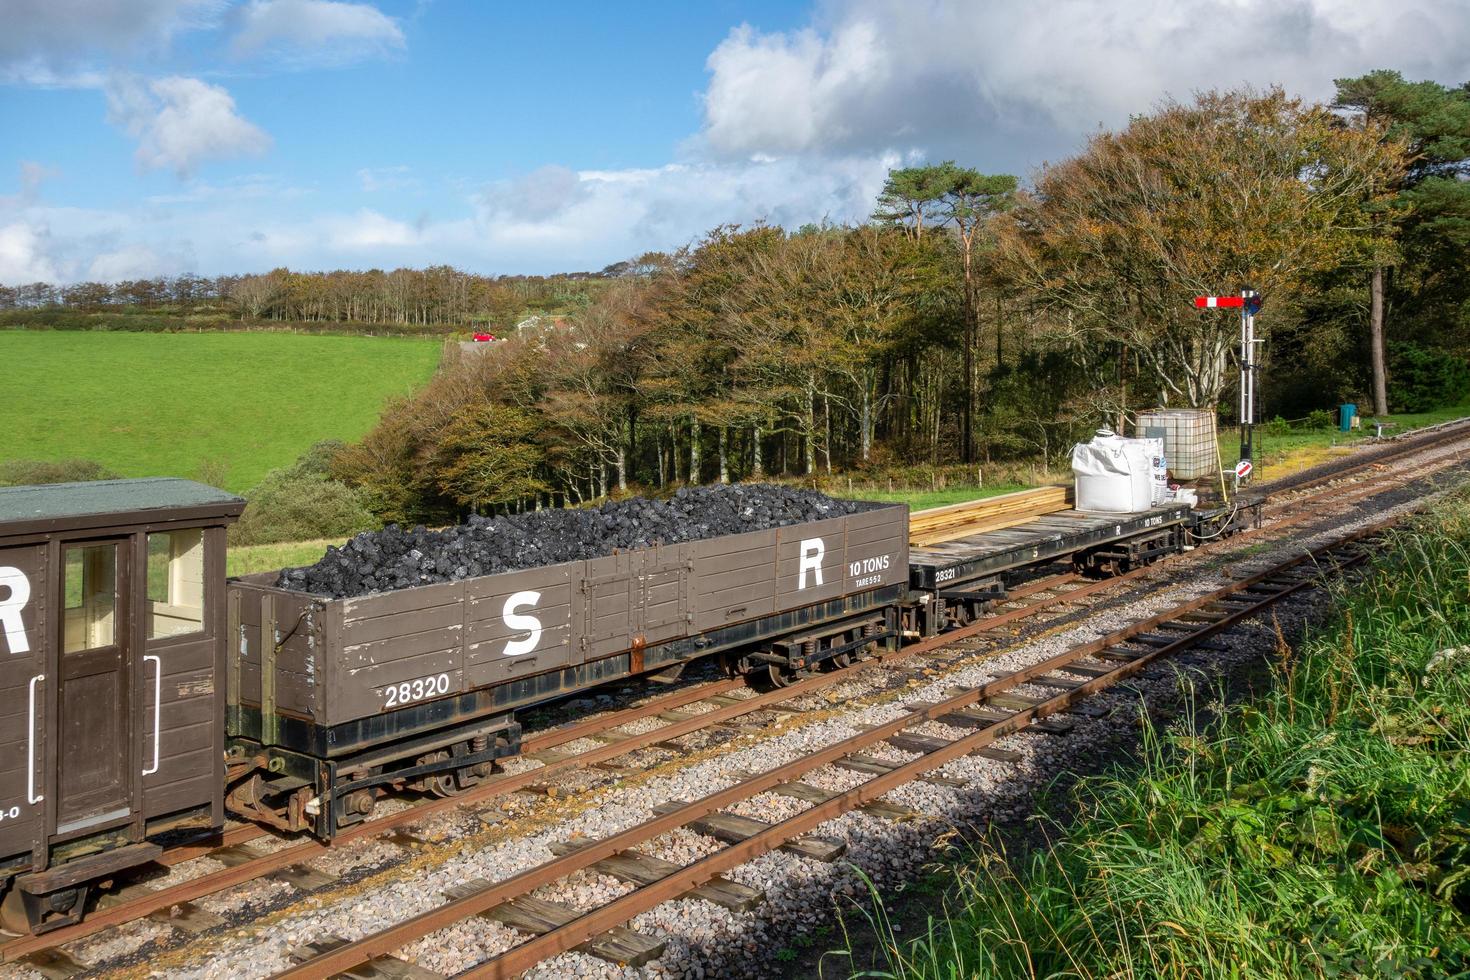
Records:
x=395, y=558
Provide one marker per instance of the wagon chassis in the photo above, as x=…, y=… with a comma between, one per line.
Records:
x=285, y=787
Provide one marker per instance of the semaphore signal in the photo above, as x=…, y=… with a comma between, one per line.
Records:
x=1249, y=304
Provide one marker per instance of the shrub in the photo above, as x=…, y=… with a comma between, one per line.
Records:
x=27, y=472
x=1277, y=427
x=1421, y=379
x=319, y=459
x=1318, y=418
x=303, y=503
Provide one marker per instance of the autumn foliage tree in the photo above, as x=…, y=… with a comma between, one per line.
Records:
x=488, y=456
x=765, y=351
x=1431, y=123
x=1234, y=189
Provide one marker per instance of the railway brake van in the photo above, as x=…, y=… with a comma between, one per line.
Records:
x=112, y=607
x=333, y=701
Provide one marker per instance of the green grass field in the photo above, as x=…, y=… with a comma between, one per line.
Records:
x=165, y=404
x=248, y=558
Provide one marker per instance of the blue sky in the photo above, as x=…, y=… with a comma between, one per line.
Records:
x=160, y=136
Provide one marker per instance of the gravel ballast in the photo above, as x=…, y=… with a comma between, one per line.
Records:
x=395, y=558
x=708, y=940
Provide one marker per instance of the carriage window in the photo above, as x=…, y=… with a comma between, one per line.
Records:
x=175, y=583
x=91, y=597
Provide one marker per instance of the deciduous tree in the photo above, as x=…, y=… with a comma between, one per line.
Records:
x=1235, y=189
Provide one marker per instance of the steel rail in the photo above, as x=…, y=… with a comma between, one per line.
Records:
x=592, y=924
x=381, y=943
x=1416, y=440
x=146, y=903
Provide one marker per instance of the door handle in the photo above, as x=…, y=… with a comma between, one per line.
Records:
x=32, y=797
x=157, y=707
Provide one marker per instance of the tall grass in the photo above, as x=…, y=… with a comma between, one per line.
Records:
x=1321, y=831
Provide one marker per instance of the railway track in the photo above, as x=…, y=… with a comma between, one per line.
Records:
x=993, y=710
x=1051, y=593
x=1045, y=593
x=1409, y=442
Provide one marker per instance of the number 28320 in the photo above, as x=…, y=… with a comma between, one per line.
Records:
x=416, y=690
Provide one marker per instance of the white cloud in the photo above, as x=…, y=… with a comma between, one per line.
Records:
x=314, y=31
x=582, y=220
x=25, y=255
x=181, y=122
x=540, y=195
x=607, y=215
x=135, y=261
x=45, y=41
x=799, y=126
x=368, y=231
x=1012, y=81
x=556, y=219
x=32, y=176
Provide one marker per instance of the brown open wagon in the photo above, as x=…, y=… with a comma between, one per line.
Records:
x=333, y=701
x=111, y=612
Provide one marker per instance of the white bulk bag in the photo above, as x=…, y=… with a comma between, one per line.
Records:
x=1112, y=474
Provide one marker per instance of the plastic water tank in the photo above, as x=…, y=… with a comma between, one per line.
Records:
x=1189, y=439
x=1112, y=474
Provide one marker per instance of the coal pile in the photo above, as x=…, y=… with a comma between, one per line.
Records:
x=395, y=558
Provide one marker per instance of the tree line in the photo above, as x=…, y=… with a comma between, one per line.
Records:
x=437, y=296
x=971, y=319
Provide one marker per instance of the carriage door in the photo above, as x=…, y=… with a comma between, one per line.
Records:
x=93, y=782
x=24, y=694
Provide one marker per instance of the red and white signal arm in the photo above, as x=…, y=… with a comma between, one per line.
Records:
x=1211, y=302
x=1243, y=469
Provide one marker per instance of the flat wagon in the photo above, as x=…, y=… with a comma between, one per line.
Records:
x=955, y=581
x=111, y=613
x=334, y=701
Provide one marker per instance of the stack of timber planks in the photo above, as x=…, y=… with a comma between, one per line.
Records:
x=940, y=524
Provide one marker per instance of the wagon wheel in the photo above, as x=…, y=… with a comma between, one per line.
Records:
x=443, y=783
x=13, y=914
x=775, y=675
x=840, y=661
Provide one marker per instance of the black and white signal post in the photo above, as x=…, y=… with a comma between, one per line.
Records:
x=1249, y=304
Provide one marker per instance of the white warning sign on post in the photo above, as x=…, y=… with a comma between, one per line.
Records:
x=1243, y=469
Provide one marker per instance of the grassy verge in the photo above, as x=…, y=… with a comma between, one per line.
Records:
x=1322, y=831
x=245, y=559
x=1282, y=453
